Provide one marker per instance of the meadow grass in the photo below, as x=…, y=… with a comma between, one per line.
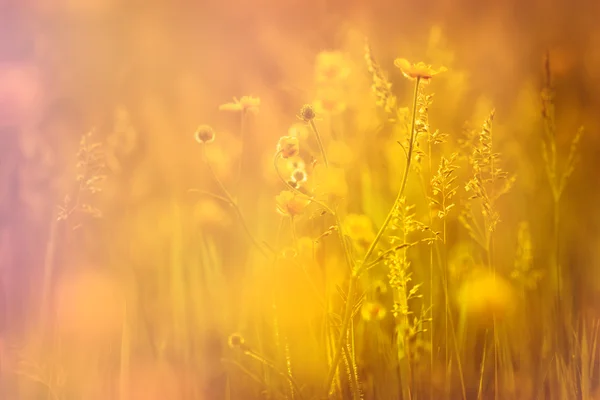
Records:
x=374, y=268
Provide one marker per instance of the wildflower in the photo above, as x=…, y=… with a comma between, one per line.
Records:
x=331, y=66
x=288, y=146
x=419, y=70
x=307, y=113
x=360, y=228
x=291, y=204
x=245, y=104
x=485, y=295
x=204, y=134
x=373, y=311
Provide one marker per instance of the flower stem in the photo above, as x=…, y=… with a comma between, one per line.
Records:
x=231, y=201
x=404, y=177
x=319, y=142
x=356, y=272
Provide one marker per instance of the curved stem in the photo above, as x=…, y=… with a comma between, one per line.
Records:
x=356, y=272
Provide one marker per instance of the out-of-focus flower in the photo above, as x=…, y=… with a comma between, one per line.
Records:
x=331, y=67
x=204, y=134
x=419, y=70
x=288, y=146
x=329, y=105
x=331, y=181
x=307, y=113
x=245, y=104
x=360, y=228
x=291, y=204
x=484, y=296
x=373, y=311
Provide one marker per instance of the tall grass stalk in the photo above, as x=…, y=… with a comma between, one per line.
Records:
x=355, y=273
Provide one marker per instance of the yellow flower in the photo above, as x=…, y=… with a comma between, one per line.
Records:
x=484, y=296
x=288, y=146
x=360, y=228
x=245, y=104
x=329, y=106
x=331, y=66
x=373, y=311
x=418, y=70
x=291, y=204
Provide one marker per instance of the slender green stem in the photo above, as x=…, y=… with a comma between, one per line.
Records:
x=293, y=229
x=319, y=142
x=231, y=201
x=242, y=140
x=404, y=177
x=270, y=364
x=356, y=271
x=336, y=213
x=431, y=282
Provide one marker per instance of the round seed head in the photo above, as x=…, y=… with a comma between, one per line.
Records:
x=204, y=134
x=307, y=113
x=236, y=341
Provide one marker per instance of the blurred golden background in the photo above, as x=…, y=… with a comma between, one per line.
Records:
x=126, y=268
